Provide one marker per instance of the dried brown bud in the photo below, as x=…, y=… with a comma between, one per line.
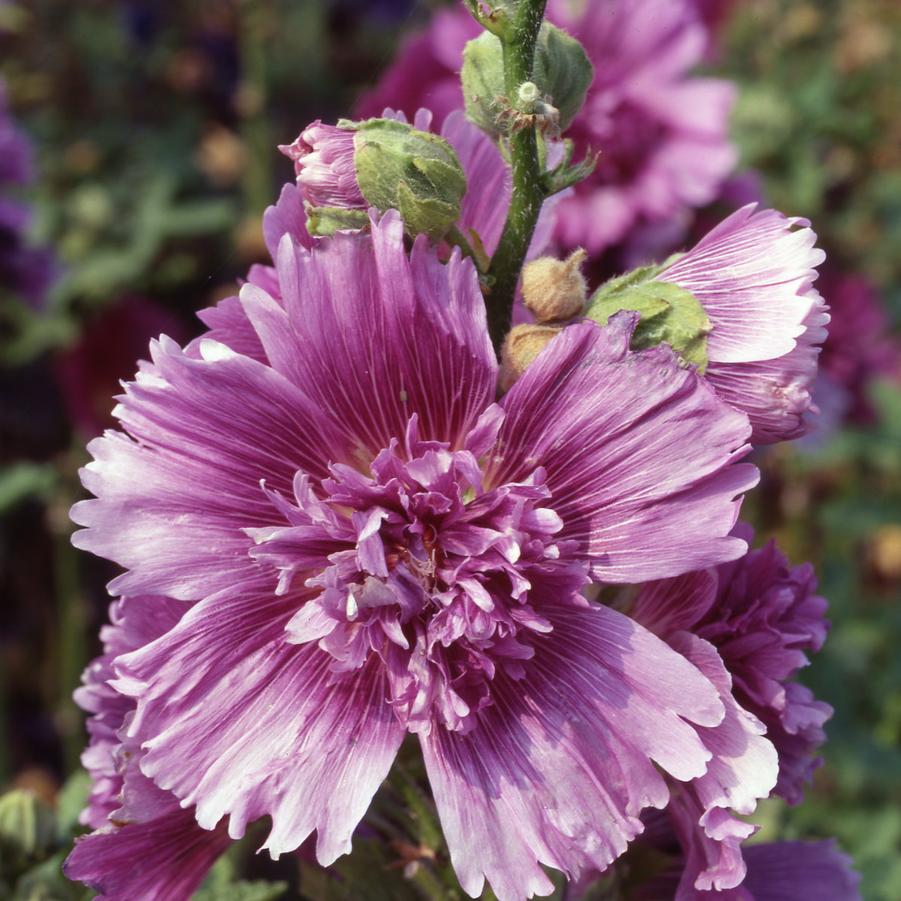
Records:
x=522, y=345
x=555, y=290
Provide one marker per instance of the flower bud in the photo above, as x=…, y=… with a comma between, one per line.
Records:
x=521, y=347
x=381, y=163
x=555, y=290
x=561, y=78
x=669, y=314
x=27, y=827
x=323, y=157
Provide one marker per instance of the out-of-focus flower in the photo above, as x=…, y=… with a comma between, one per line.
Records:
x=786, y=871
x=663, y=135
x=372, y=546
x=25, y=271
x=145, y=845
x=753, y=275
x=89, y=372
x=859, y=348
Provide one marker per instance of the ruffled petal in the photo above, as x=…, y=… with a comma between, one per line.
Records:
x=161, y=857
x=753, y=275
x=619, y=434
x=171, y=504
x=558, y=770
x=432, y=357
x=237, y=721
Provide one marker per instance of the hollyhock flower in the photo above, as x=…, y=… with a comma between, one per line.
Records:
x=373, y=547
x=762, y=615
x=663, y=135
x=753, y=275
x=145, y=845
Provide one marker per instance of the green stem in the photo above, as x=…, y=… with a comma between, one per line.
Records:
x=528, y=189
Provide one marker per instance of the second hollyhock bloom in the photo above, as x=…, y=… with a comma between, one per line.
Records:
x=754, y=277
x=756, y=618
x=370, y=546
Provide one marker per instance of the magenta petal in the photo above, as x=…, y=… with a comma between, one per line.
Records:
x=631, y=478
x=171, y=505
x=431, y=355
x=164, y=859
x=240, y=722
x=558, y=770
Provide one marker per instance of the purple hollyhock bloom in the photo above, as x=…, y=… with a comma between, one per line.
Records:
x=762, y=617
x=663, y=135
x=126, y=810
x=372, y=546
x=753, y=274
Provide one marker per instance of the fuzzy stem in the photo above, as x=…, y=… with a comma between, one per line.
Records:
x=528, y=189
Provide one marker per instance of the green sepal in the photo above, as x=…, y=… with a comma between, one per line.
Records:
x=27, y=829
x=562, y=72
x=326, y=220
x=414, y=172
x=669, y=314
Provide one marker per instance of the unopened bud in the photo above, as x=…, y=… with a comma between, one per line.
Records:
x=27, y=827
x=381, y=163
x=521, y=347
x=555, y=290
x=528, y=95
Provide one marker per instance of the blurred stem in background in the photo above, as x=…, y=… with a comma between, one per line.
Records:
x=254, y=18
x=71, y=638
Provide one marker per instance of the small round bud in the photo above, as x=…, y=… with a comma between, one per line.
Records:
x=521, y=347
x=555, y=290
x=528, y=94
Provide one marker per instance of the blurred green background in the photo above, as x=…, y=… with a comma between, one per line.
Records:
x=155, y=127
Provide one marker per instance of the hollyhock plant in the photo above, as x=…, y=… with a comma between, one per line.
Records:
x=368, y=552
x=662, y=133
x=759, y=322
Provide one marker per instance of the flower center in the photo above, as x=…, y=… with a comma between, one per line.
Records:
x=423, y=565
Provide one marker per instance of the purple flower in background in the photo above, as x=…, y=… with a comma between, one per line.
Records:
x=89, y=372
x=751, y=621
x=762, y=615
x=859, y=349
x=753, y=275
x=662, y=134
x=786, y=871
x=145, y=845
x=25, y=271
x=371, y=546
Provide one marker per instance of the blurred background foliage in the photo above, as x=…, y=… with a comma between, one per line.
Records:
x=155, y=127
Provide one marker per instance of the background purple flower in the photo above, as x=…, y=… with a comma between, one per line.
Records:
x=662, y=134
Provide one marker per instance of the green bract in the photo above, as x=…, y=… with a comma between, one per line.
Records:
x=669, y=314
x=562, y=72
x=414, y=172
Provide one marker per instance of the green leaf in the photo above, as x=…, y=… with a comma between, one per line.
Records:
x=25, y=480
x=669, y=314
